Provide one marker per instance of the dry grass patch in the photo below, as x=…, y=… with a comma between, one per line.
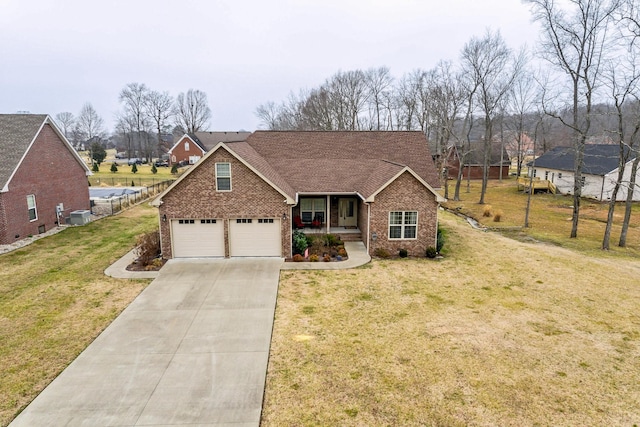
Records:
x=55, y=299
x=518, y=334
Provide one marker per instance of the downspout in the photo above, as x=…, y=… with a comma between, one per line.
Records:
x=602, y=188
x=290, y=231
x=368, y=228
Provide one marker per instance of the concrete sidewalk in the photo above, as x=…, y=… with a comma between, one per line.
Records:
x=192, y=349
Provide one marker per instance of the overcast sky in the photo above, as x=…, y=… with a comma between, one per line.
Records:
x=56, y=55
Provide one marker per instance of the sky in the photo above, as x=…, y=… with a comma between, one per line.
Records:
x=56, y=55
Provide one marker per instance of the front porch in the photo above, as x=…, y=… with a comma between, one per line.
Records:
x=344, y=233
x=330, y=214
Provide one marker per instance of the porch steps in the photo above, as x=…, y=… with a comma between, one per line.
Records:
x=350, y=237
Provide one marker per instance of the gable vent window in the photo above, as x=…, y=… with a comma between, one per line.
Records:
x=186, y=146
x=31, y=206
x=223, y=176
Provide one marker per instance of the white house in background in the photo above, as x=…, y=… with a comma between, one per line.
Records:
x=599, y=173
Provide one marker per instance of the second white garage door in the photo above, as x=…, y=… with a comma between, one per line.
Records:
x=255, y=237
x=197, y=238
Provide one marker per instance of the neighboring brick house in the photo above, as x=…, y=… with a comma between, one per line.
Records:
x=474, y=161
x=245, y=198
x=191, y=147
x=42, y=178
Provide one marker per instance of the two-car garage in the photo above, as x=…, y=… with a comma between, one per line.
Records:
x=248, y=237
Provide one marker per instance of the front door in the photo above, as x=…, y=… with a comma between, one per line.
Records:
x=347, y=212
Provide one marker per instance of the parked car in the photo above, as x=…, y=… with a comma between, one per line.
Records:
x=161, y=163
x=135, y=160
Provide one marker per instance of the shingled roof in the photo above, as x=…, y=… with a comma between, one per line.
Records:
x=208, y=140
x=304, y=162
x=599, y=159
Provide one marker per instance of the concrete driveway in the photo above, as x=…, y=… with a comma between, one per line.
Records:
x=192, y=349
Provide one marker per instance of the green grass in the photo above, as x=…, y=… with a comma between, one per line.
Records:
x=124, y=176
x=55, y=299
x=549, y=217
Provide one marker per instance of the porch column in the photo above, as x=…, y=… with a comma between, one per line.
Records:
x=328, y=214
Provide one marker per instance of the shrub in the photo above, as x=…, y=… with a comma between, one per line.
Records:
x=331, y=240
x=431, y=252
x=154, y=170
x=403, y=253
x=486, y=211
x=300, y=242
x=342, y=252
x=381, y=253
x=326, y=258
x=298, y=258
x=134, y=168
x=314, y=258
x=133, y=184
x=114, y=167
x=95, y=168
x=148, y=247
x=174, y=169
x=497, y=216
x=440, y=239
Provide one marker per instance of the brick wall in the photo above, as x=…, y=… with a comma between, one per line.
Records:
x=181, y=155
x=404, y=194
x=53, y=175
x=250, y=197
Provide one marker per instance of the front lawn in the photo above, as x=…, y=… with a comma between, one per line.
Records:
x=498, y=332
x=55, y=299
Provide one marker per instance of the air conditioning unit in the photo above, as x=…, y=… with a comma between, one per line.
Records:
x=80, y=217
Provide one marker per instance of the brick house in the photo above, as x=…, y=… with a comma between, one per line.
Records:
x=474, y=161
x=42, y=178
x=246, y=198
x=192, y=147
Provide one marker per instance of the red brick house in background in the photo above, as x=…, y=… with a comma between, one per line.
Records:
x=192, y=147
x=42, y=178
x=245, y=198
x=474, y=161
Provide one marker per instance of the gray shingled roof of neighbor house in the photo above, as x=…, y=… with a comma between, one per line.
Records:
x=338, y=161
x=17, y=131
x=599, y=159
x=208, y=140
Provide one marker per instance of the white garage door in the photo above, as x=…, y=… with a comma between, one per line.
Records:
x=255, y=237
x=195, y=238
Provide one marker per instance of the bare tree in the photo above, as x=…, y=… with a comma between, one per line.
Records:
x=192, y=111
x=523, y=98
x=379, y=83
x=492, y=67
x=133, y=97
x=159, y=106
x=66, y=120
x=575, y=42
x=89, y=124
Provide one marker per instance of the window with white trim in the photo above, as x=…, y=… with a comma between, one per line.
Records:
x=186, y=146
x=31, y=206
x=223, y=176
x=403, y=225
x=312, y=209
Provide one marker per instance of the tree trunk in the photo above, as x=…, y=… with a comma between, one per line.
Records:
x=629, y=203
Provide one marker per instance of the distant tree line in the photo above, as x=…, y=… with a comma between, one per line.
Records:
x=145, y=118
x=586, y=91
